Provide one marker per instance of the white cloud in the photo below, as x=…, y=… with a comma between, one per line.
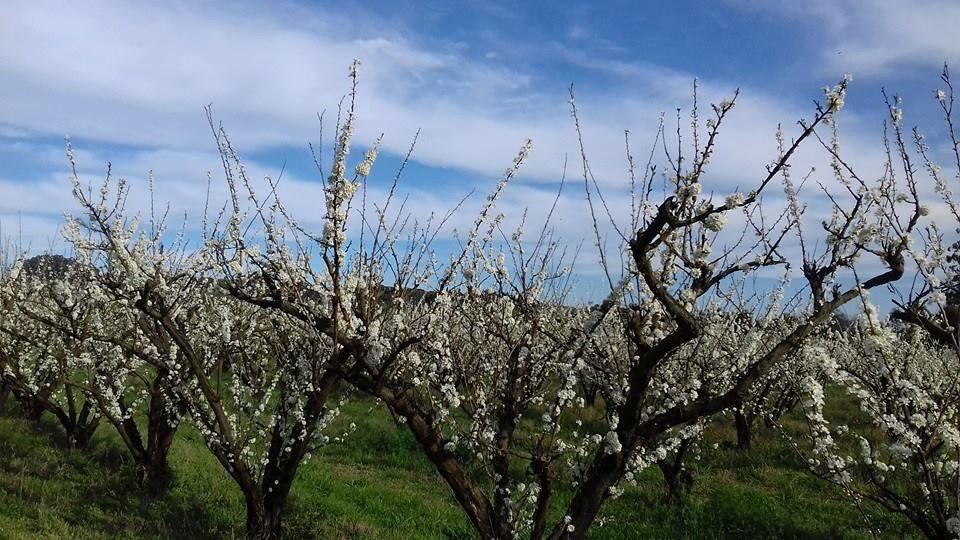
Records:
x=875, y=37
x=131, y=74
x=139, y=75
x=127, y=74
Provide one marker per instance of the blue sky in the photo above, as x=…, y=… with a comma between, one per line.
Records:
x=128, y=82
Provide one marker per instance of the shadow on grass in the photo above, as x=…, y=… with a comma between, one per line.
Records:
x=92, y=488
x=378, y=485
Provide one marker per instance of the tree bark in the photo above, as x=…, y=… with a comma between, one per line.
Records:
x=263, y=517
x=265, y=505
x=678, y=479
x=155, y=474
x=79, y=431
x=31, y=409
x=469, y=495
x=744, y=430
x=153, y=470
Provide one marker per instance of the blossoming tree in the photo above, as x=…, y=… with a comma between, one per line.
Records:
x=252, y=385
x=903, y=377
x=673, y=270
x=46, y=320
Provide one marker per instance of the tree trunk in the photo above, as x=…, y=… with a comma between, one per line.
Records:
x=604, y=472
x=541, y=467
x=469, y=496
x=154, y=474
x=264, y=515
x=744, y=430
x=79, y=434
x=590, y=392
x=31, y=409
x=678, y=479
x=80, y=426
x=4, y=394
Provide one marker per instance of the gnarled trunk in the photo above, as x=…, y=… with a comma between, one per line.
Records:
x=264, y=517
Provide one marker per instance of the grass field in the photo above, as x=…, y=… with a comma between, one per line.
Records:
x=378, y=486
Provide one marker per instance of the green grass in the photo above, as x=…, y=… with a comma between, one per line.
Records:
x=377, y=485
